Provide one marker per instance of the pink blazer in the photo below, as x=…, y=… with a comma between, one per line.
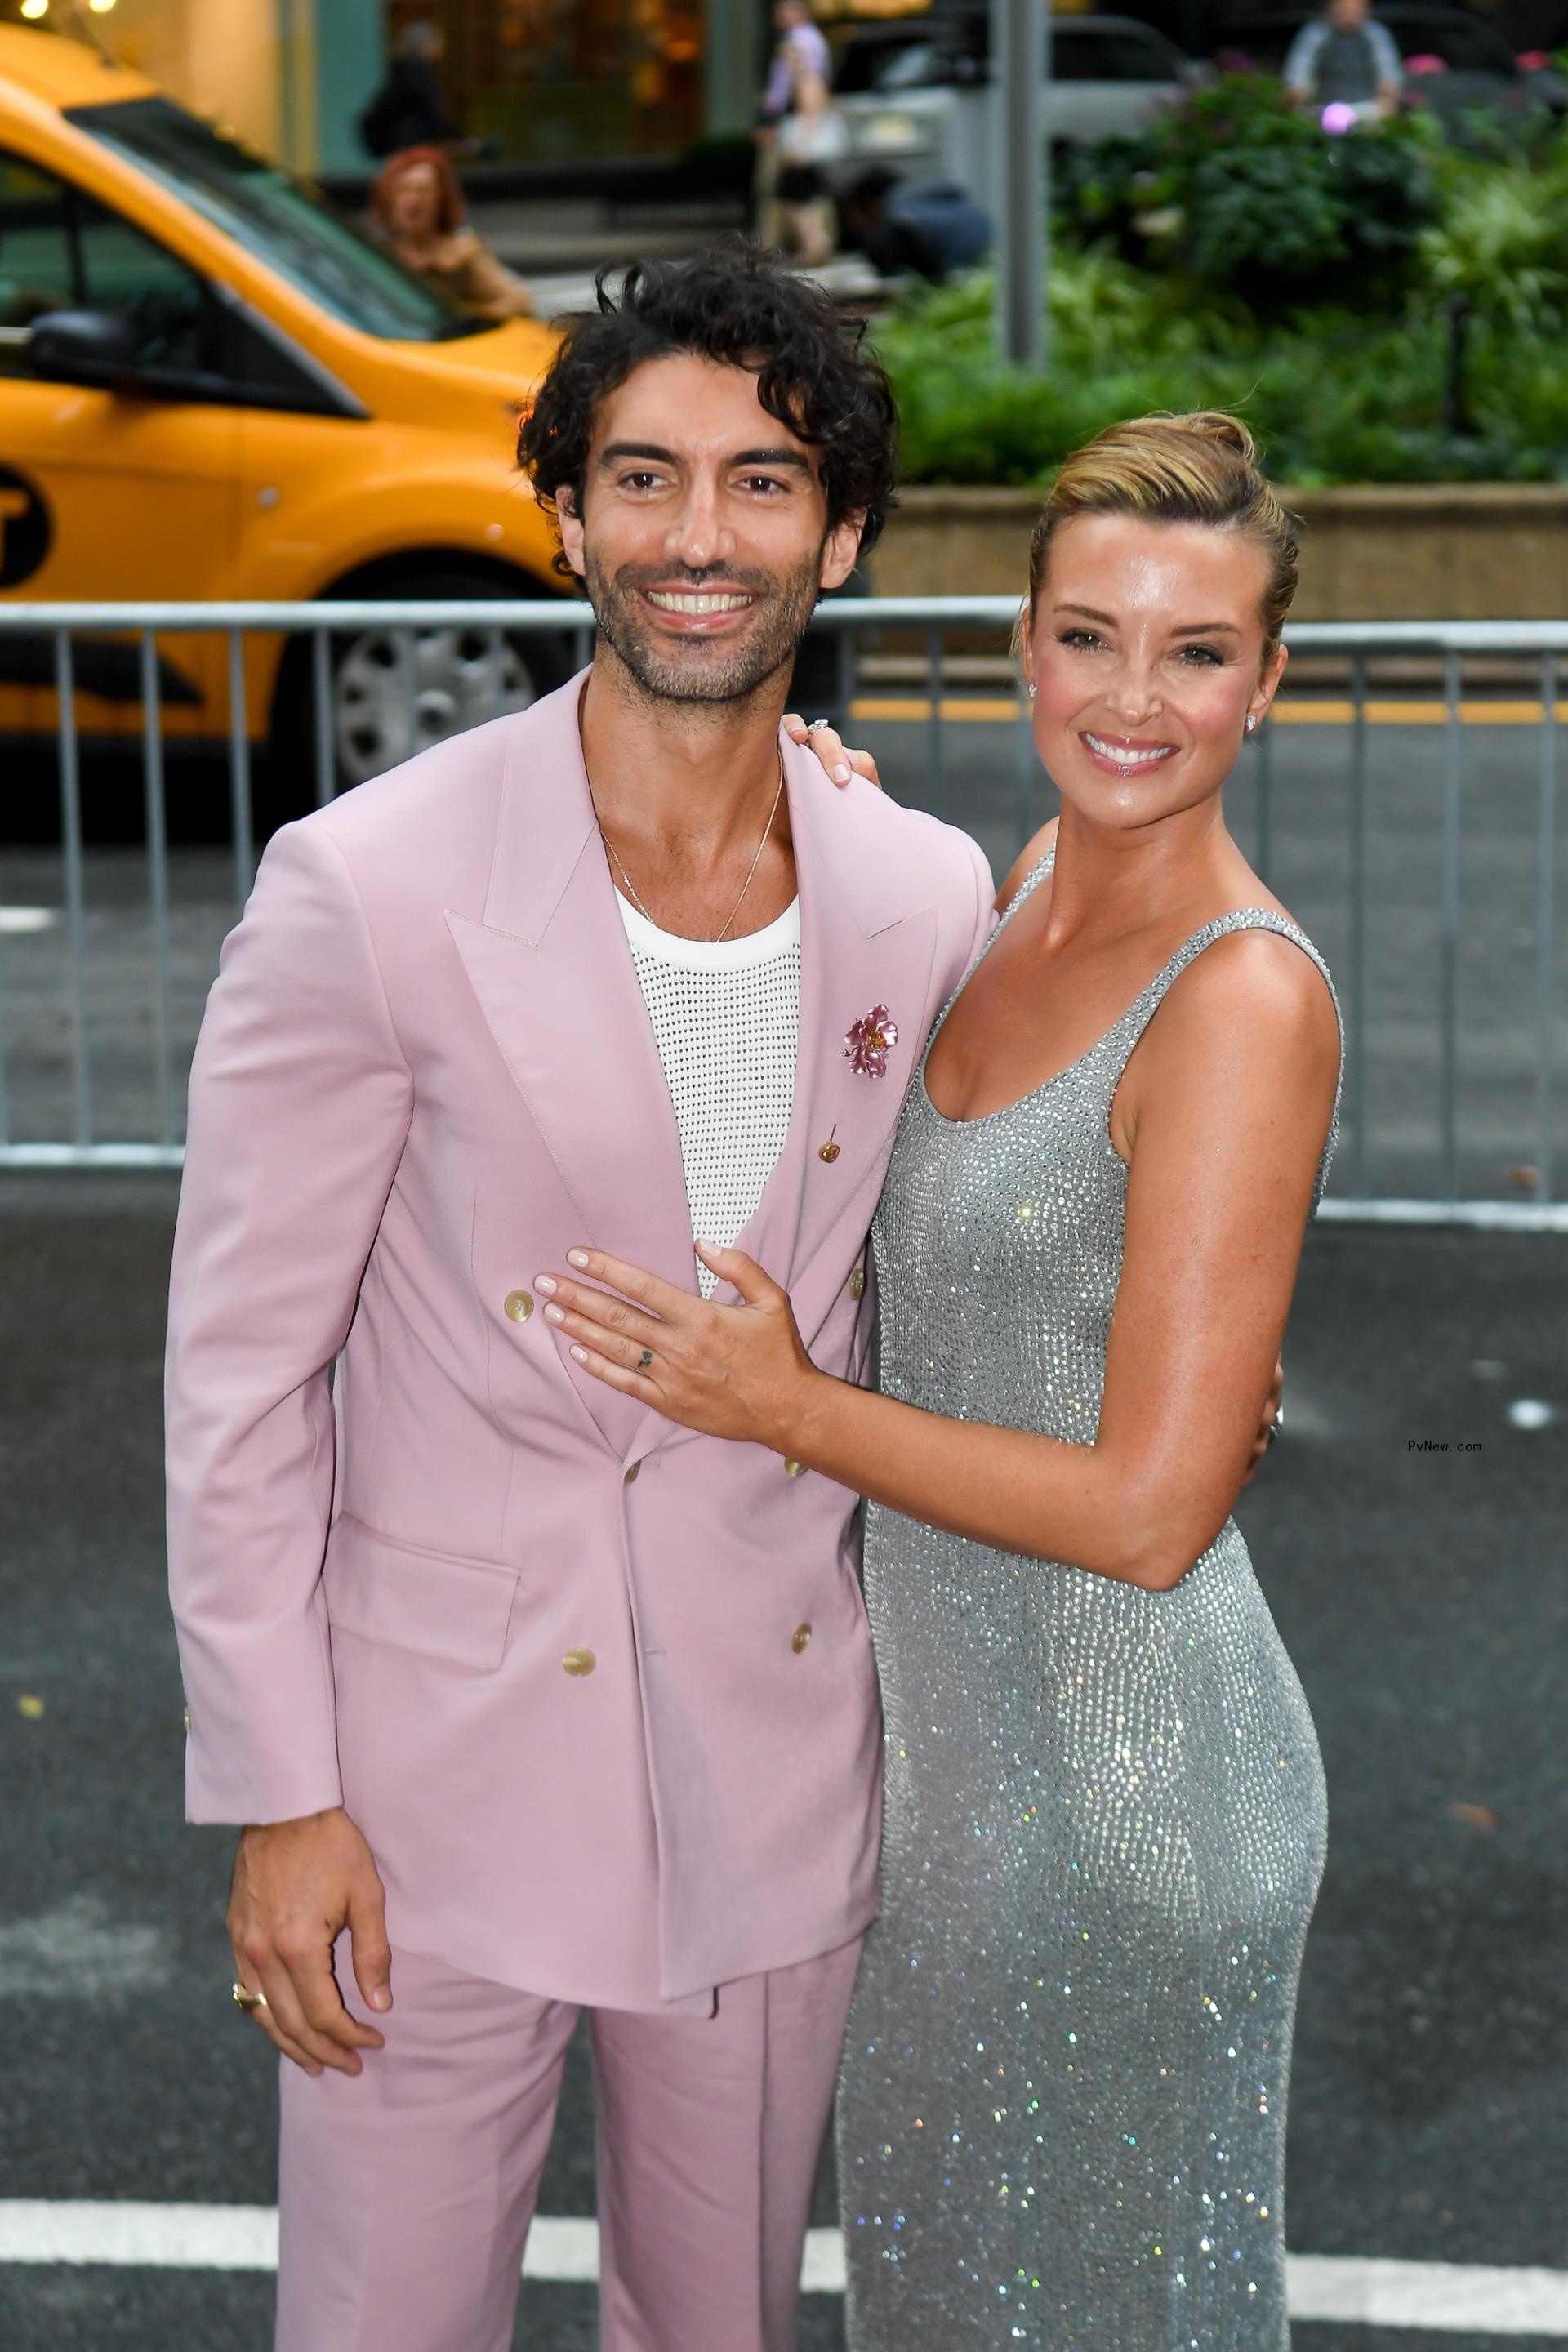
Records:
x=550, y=1650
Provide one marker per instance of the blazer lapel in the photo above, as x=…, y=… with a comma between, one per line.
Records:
x=555, y=982
x=862, y=946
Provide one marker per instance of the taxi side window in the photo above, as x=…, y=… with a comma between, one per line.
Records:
x=62, y=250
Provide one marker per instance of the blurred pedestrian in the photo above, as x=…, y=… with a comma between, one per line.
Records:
x=418, y=208
x=810, y=137
x=1345, y=58
x=409, y=110
x=801, y=46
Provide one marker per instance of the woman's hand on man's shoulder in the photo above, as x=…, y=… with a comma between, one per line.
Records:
x=840, y=760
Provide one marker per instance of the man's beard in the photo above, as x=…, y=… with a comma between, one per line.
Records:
x=700, y=670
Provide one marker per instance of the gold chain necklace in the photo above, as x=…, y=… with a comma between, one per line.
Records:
x=632, y=887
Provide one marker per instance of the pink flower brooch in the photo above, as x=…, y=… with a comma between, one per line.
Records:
x=866, y=1042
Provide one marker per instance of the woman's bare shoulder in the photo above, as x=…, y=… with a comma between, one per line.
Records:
x=1024, y=864
x=1257, y=990
x=1246, y=1042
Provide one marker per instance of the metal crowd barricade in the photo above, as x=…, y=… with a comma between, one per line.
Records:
x=909, y=641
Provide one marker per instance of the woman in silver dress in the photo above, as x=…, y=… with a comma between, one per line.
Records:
x=1062, y=2116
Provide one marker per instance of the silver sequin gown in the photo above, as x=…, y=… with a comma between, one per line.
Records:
x=1062, y=2118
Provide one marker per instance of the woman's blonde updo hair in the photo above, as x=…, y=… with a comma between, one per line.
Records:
x=1199, y=468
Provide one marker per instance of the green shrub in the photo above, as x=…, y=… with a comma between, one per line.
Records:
x=1236, y=256
x=1499, y=243
x=1329, y=400
x=1237, y=190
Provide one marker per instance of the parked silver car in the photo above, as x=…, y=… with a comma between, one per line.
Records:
x=915, y=96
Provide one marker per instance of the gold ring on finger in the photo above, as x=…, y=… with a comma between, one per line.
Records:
x=243, y=1998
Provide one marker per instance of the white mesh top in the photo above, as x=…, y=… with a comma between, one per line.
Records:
x=726, y=1019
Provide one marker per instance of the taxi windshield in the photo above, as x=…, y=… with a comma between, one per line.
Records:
x=278, y=219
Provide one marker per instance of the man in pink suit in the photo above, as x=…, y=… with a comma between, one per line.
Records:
x=527, y=1700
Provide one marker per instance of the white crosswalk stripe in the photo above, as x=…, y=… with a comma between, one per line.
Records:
x=1450, y=2297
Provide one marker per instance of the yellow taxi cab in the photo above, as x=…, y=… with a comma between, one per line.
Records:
x=213, y=386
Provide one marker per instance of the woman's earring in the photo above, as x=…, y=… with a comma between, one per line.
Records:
x=1031, y=689
x=1251, y=720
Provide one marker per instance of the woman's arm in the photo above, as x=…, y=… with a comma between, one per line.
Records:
x=1227, y=1113
x=829, y=747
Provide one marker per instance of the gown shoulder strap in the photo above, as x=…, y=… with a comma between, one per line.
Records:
x=1120, y=1040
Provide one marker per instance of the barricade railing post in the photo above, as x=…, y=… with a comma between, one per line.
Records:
x=409, y=669
x=239, y=771
x=1546, y=935
x=1355, y=977
x=71, y=848
x=936, y=778
x=848, y=652
x=157, y=882
x=322, y=708
x=495, y=653
x=1449, y=934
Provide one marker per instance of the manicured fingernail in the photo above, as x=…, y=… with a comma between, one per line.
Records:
x=841, y=774
x=380, y=1998
x=580, y=1355
x=554, y=1315
x=576, y=1257
x=546, y=1282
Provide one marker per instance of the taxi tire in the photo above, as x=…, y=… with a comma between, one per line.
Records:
x=544, y=662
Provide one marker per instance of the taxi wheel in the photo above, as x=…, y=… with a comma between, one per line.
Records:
x=392, y=696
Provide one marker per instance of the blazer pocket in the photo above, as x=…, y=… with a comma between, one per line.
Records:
x=432, y=1601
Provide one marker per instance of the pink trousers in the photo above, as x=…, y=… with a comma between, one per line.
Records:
x=406, y=2192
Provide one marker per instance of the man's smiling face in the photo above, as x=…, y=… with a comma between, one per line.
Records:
x=702, y=538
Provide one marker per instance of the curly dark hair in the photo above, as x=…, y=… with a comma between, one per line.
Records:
x=741, y=308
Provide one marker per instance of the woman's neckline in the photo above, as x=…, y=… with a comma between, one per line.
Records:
x=1026, y=891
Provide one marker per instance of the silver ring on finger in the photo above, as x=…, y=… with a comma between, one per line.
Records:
x=815, y=726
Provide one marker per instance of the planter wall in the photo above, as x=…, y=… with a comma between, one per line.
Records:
x=1450, y=552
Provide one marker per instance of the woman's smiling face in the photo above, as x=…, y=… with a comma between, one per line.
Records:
x=1146, y=651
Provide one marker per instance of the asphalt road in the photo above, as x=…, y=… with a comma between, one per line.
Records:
x=1422, y=1596
x=988, y=780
